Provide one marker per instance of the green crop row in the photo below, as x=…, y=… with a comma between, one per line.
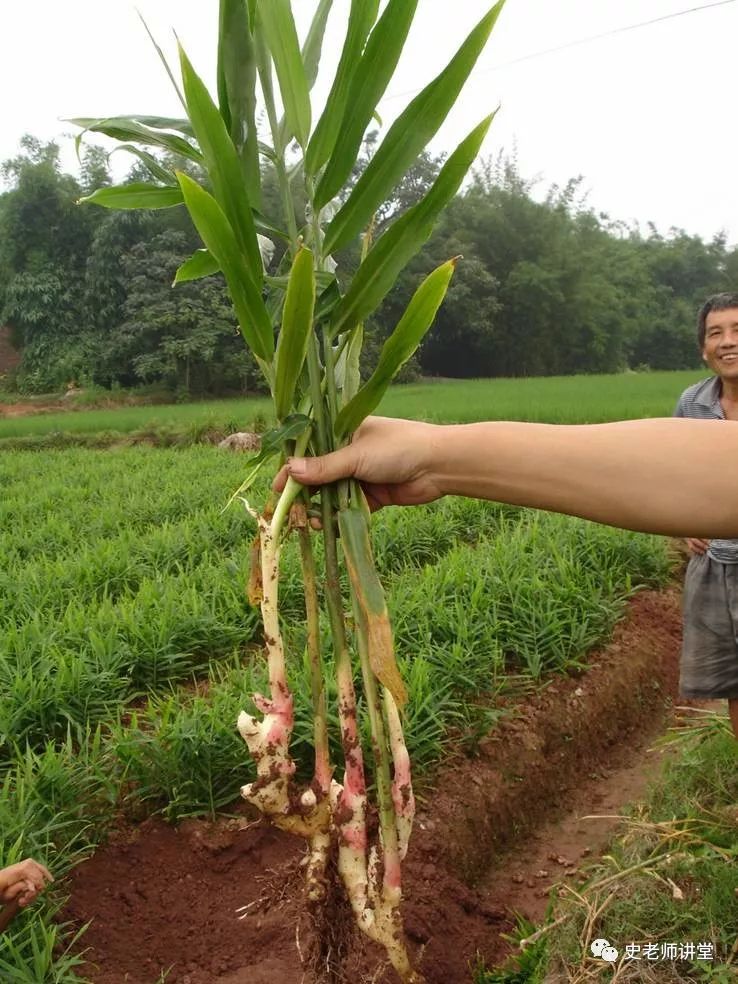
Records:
x=124, y=579
x=148, y=599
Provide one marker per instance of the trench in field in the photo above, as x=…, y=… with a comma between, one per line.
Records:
x=166, y=898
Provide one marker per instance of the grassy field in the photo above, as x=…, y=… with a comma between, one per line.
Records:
x=123, y=583
x=565, y=399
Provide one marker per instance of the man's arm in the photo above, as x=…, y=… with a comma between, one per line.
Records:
x=695, y=545
x=669, y=476
x=677, y=477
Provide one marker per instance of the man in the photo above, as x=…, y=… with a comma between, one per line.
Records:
x=709, y=667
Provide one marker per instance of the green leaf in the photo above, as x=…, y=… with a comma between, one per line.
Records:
x=273, y=443
x=264, y=149
x=314, y=42
x=202, y=263
x=223, y=166
x=293, y=426
x=362, y=15
x=369, y=81
x=275, y=17
x=162, y=58
x=265, y=227
x=327, y=299
x=154, y=122
x=407, y=137
x=398, y=348
x=237, y=89
x=251, y=6
x=310, y=57
x=154, y=166
x=297, y=324
x=166, y=123
x=348, y=376
x=129, y=128
x=137, y=195
x=390, y=254
x=220, y=239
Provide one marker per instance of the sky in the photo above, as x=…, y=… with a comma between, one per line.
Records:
x=645, y=115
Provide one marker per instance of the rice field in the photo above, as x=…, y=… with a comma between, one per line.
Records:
x=128, y=647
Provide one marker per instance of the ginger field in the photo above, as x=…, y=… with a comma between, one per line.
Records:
x=128, y=647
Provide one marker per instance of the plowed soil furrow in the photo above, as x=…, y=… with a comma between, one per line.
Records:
x=162, y=898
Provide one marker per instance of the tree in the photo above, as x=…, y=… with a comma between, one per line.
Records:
x=185, y=338
x=44, y=242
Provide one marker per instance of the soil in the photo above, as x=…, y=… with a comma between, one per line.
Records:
x=491, y=838
x=25, y=409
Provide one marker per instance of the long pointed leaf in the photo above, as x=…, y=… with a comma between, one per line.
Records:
x=404, y=238
x=220, y=239
x=136, y=195
x=237, y=89
x=398, y=348
x=297, y=323
x=201, y=264
x=133, y=130
x=281, y=36
x=408, y=136
x=314, y=42
x=368, y=83
x=222, y=164
x=162, y=58
x=310, y=54
x=155, y=122
x=362, y=16
x=155, y=167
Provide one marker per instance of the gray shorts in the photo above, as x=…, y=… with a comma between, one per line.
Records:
x=709, y=665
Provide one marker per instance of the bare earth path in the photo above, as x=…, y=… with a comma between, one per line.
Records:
x=161, y=897
x=523, y=880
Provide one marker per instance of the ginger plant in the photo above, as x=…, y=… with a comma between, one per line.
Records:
x=312, y=371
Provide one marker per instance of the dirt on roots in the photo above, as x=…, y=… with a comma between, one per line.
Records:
x=487, y=844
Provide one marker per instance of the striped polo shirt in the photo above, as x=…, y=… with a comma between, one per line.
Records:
x=702, y=402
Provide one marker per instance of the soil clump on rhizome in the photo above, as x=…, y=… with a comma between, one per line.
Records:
x=486, y=844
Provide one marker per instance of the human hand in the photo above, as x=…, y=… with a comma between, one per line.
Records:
x=392, y=459
x=696, y=546
x=23, y=881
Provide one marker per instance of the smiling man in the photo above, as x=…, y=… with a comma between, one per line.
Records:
x=709, y=667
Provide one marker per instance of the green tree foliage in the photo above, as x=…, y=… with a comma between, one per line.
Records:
x=44, y=243
x=186, y=338
x=546, y=286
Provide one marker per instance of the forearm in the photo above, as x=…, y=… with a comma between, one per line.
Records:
x=673, y=476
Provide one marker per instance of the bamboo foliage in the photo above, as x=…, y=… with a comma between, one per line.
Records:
x=312, y=371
